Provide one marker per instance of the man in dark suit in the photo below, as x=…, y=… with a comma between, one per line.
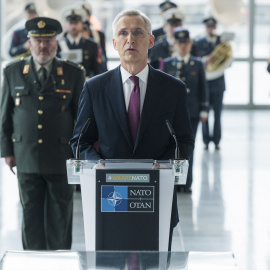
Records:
x=190, y=70
x=205, y=47
x=19, y=46
x=86, y=48
x=38, y=110
x=128, y=118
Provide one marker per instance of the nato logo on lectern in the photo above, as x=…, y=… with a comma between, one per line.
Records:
x=127, y=199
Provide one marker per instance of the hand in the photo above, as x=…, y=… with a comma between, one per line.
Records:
x=159, y=166
x=203, y=119
x=26, y=45
x=11, y=162
x=208, y=59
x=99, y=166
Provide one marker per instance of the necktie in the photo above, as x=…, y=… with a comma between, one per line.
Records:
x=134, y=108
x=43, y=75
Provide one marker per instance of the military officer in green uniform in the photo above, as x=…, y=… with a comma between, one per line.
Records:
x=38, y=109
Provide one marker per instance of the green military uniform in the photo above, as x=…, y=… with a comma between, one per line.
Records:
x=36, y=125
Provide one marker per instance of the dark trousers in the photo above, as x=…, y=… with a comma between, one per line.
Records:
x=215, y=102
x=194, y=123
x=47, y=202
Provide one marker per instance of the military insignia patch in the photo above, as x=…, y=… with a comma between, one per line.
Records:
x=26, y=69
x=62, y=81
x=41, y=24
x=59, y=71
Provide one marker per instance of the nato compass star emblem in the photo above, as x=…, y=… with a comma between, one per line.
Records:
x=114, y=198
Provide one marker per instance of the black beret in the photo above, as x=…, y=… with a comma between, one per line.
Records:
x=181, y=34
x=167, y=5
x=43, y=27
x=210, y=21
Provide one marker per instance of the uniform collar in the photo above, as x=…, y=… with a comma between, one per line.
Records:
x=185, y=58
x=48, y=66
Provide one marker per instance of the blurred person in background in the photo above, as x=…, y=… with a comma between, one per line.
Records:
x=190, y=70
x=19, y=46
x=205, y=48
x=164, y=47
x=79, y=49
x=160, y=32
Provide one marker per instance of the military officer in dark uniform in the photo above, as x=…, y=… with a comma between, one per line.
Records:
x=163, y=48
x=97, y=36
x=205, y=46
x=191, y=71
x=19, y=44
x=38, y=110
x=85, y=47
x=163, y=7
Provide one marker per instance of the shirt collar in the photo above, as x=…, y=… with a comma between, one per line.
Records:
x=48, y=66
x=76, y=40
x=143, y=75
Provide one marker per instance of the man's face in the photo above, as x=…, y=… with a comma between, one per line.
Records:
x=183, y=48
x=74, y=28
x=132, y=40
x=169, y=28
x=211, y=30
x=42, y=49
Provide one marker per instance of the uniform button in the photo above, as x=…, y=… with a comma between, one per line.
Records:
x=183, y=79
x=40, y=97
x=40, y=112
x=64, y=96
x=40, y=141
x=40, y=126
x=14, y=140
x=17, y=94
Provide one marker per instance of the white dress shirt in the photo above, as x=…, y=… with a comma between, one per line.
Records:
x=128, y=85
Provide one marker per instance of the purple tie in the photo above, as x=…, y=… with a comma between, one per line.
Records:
x=134, y=108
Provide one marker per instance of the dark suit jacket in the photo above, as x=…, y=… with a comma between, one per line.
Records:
x=193, y=75
x=31, y=112
x=102, y=100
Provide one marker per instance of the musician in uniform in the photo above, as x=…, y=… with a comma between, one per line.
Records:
x=163, y=7
x=86, y=48
x=38, y=109
x=163, y=48
x=96, y=35
x=19, y=44
x=190, y=70
x=205, y=47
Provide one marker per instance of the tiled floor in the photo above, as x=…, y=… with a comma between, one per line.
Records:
x=227, y=211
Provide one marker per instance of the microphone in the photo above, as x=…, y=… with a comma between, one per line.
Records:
x=172, y=132
x=177, y=163
x=84, y=129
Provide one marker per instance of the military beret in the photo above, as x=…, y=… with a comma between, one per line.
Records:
x=167, y=5
x=43, y=27
x=75, y=15
x=181, y=34
x=173, y=15
x=30, y=8
x=210, y=21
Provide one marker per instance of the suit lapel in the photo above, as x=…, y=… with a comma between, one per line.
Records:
x=114, y=90
x=151, y=102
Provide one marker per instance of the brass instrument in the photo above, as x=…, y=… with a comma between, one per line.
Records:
x=222, y=59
